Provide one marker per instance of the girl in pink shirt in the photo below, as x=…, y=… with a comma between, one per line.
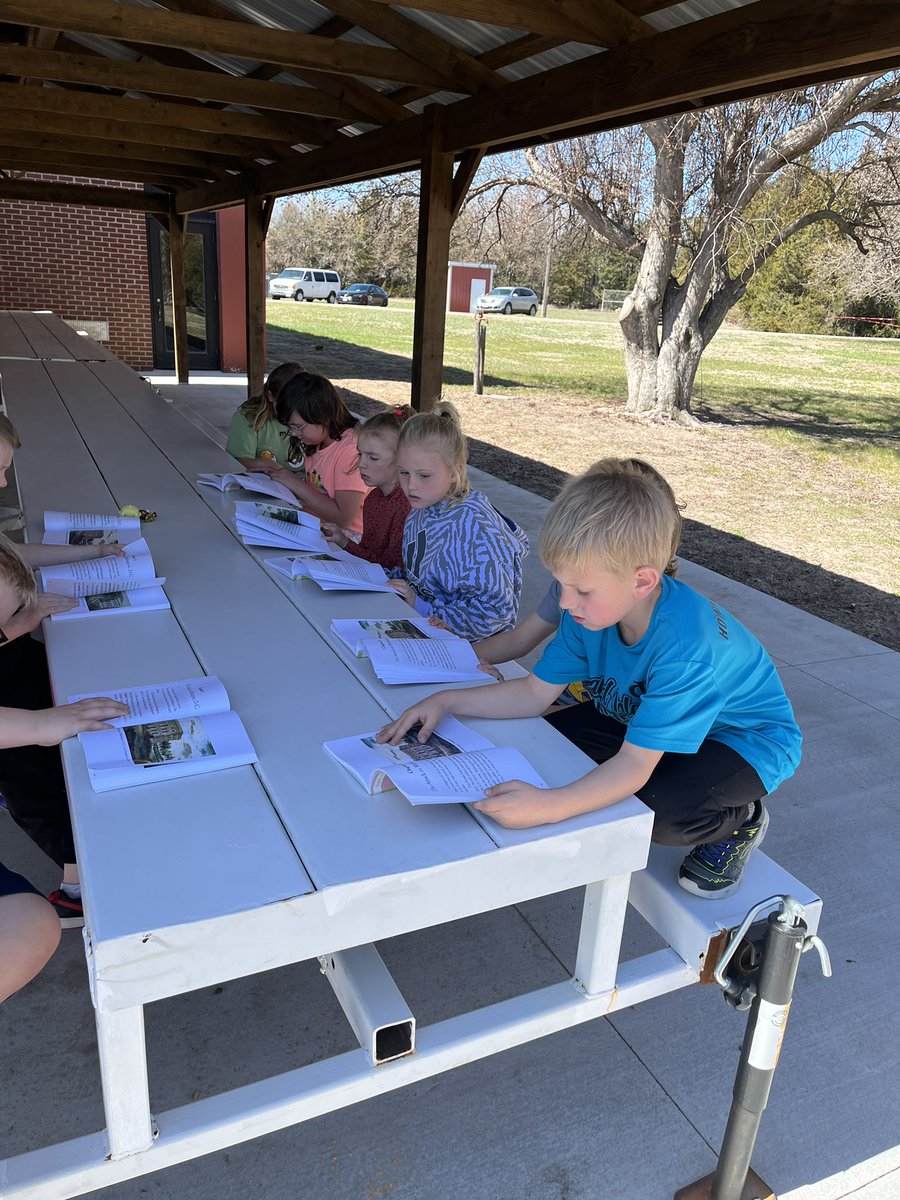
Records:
x=321, y=429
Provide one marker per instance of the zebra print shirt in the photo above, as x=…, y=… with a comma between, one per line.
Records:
x=464, y=560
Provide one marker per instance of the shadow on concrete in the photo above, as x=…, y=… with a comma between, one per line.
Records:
x=853, y=605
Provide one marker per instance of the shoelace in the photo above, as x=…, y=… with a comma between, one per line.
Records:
x=714, y=854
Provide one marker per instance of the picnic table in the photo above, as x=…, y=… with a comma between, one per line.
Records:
x=189, y=883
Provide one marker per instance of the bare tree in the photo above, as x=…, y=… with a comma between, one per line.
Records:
x=685, y=197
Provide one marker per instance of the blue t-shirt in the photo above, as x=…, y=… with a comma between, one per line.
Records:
x=696, y=673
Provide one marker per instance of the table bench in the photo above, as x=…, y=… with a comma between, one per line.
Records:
x=272, y=865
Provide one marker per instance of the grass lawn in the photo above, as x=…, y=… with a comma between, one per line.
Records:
x=828, y=395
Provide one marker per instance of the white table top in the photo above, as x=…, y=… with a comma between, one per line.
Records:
x=204, y=879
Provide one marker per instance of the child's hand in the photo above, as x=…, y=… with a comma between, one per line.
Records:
x=258, y=464
x=518, y=805
x=439, y=624
x=490, y=669
x=29, y=617
x=54, y=725
x=334, y=533
x=426, y=713
x=113, y=550
x=275, y=470
x=405, y=590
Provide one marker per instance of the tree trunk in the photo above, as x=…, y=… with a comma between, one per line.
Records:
x=660, y=372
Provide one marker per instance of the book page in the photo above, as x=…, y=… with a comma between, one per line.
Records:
x=267, y=511
x=149, y=751
x=84, y=520
x=98, y=604
x=135, y=564
x=258, y=482
x=352, y=571
x=353, y=633
x=447, y=654
x=94, y=587
x=371, y=761
x=464, y=777
x=163, y=701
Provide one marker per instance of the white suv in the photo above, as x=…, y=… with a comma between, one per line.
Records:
x=305, y=283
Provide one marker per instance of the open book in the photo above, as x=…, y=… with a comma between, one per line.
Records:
x=354, y=633
x=251, y=481
x=454, y=766
x=339, y=571
x=425, y=660
x=267, y=524
x=89, y=529
x=171, y=730
x=125, y=583
x=296, y=566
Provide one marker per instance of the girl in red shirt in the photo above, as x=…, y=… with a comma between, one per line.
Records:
x=386, y=507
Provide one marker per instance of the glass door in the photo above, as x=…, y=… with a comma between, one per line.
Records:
x=201, y=288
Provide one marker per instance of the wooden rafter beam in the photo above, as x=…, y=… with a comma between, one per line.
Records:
x=214, y=165
x=460, y=72
x=753, y=50
x=90, y=166
x=154, y=112
x=96, y=71
x=597, y=22
x=157, y=135
x=106, y=18
x=76, y=193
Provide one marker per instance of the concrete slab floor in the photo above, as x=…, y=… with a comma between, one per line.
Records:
x=630, y=1107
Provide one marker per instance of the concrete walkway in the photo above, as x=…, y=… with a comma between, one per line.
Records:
x=629, y=1108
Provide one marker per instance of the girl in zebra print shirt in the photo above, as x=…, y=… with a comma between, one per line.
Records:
x=462, y=559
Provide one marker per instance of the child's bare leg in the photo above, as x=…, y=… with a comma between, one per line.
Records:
x=29, y=933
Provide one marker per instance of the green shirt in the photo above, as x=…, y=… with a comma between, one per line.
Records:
x=243, y=442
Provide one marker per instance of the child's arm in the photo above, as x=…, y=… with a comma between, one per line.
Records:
x=519, y=805
x=526, y=697
x=50, y=726
x=503, y=647
x=38, y=555
x=340, y=510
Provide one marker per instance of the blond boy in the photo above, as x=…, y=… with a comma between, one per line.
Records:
x=686, y=709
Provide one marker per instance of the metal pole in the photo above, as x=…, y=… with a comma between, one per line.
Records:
x=480, y=339
x=759, y=1054
x=786, y=939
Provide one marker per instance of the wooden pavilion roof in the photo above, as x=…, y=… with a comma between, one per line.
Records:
x=214, y=100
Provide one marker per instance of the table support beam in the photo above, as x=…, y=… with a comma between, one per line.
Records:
x=602, y=922
x=123, y=1072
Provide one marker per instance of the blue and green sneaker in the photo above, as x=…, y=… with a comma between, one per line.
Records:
x=715, y=868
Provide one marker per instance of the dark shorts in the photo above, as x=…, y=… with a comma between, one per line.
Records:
x=12, y=884
x=695, y=798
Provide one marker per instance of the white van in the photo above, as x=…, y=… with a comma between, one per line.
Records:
x=305, y=283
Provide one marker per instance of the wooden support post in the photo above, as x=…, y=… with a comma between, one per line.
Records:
x=177, y=226
x=255, y=219
x=435, y=219
x=480, y=339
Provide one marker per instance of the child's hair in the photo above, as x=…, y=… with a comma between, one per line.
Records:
x=317, y=402
x=440, y=431
x=620, y=514
x=261, y=408
x=387, y=423
x=8, y=432
x=14, y=570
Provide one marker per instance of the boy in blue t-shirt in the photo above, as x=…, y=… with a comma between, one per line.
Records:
x=686, y=710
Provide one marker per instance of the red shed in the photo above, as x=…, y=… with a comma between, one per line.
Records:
x=465, y=283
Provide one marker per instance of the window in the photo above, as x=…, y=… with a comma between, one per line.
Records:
x=331, y=276
x=319, y=276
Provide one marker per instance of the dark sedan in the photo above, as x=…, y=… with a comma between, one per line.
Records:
x=363, y=293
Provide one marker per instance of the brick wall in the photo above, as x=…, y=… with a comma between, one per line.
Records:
x=88, y=263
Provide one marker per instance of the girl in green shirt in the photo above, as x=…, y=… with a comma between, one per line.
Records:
x=256, y=437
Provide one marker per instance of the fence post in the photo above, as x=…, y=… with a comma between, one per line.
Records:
x=480, y=340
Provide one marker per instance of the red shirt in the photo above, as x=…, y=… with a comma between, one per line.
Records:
x=383, y=521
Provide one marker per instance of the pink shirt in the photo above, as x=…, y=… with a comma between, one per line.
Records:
x=336, y=469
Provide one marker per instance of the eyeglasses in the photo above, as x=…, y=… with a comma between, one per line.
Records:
x=297, y=430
